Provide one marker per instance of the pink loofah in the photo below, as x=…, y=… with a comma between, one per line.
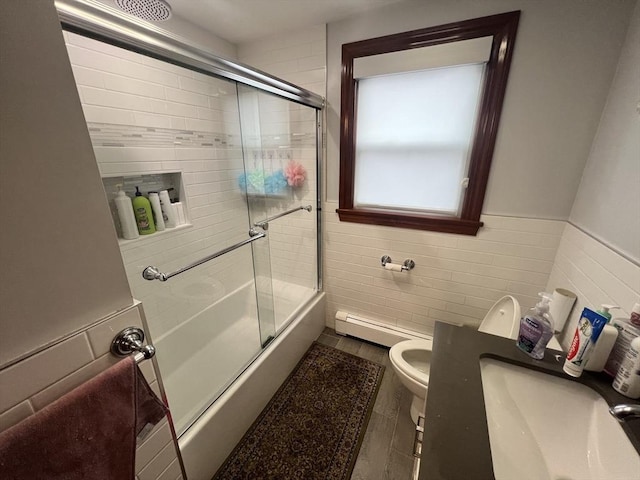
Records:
x=295, y=173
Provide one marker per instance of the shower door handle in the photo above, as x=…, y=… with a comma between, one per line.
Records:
x=153, y=273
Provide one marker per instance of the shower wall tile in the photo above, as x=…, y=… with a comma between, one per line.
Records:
x=146, y=116
x=15, y=415
x=44, y=377
x=25, y=378
x=297, y=56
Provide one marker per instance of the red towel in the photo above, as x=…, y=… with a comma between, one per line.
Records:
x=89, y=433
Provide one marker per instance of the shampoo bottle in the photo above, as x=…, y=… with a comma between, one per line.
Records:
x=125, y=214
x=536, y=329
x=167, y=209
x=154, y=200
x=144, y=215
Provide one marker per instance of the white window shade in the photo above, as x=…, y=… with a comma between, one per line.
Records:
x=414, y=138
x=476, y=50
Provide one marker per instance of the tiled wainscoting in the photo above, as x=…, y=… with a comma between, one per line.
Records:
x=456, y=279
x=596, y=274
x=33, y=383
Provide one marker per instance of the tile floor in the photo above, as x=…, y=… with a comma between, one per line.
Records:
x=386, y=451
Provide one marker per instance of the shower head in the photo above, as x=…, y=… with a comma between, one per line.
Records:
x=152, y=10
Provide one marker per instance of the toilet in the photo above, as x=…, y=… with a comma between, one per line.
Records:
x=411, y=359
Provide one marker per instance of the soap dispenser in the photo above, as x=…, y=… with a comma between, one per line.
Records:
x=143, y=213
x=602, y=349
x=536, y=328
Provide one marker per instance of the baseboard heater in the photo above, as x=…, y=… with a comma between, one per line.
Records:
x=372, y=331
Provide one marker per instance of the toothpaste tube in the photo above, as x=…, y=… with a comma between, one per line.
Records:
x=587, y=332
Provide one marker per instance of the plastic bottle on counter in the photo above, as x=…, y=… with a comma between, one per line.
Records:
x=627, y=380
x=627, y=332
x=154, y=199
x=536, y=329
x=587, y=332
x=143, y=213
x=125, y=214
x=602, y=349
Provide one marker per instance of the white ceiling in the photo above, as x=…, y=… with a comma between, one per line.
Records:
x=239, y=21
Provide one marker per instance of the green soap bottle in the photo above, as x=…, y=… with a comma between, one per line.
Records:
x=144, y=215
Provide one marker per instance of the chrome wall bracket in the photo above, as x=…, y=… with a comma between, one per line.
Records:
x=129, y=341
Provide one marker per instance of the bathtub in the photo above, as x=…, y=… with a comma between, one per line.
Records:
x=193, y=373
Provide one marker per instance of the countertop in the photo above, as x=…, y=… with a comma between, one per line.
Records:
x=456, y=438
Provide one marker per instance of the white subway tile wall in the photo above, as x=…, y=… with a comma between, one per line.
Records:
x=37, y=381
x=132, y=93
x=456, y=278
x=596, y=274
x=296, y=56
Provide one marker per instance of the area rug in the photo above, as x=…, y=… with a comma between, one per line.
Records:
x=313, y=426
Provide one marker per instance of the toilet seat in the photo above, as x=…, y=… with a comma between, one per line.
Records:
x=396, y=355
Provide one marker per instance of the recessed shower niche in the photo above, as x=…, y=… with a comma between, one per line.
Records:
x=145, y=184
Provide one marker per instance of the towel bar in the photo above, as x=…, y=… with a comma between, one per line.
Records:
x=130, y=340
x=152, y=273
x=265, y=223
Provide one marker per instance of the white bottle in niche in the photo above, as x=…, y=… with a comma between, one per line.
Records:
x=157, y=210
x=180, y=213
x=168, y=211
x=125, y=214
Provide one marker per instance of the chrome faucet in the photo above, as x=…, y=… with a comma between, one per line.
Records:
x=624, y=411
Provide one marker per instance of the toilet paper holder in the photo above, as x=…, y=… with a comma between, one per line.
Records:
x=407, y=265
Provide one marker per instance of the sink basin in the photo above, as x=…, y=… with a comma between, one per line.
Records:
x=545, y=427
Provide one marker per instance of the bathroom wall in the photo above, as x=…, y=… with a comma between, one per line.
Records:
x=298, y=56
x=598, y=255
x=550, y=112
x=53, y=212
x=457, y=278
x=608, y=200
x=64, y=293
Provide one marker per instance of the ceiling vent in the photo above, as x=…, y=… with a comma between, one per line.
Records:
x=152, y=10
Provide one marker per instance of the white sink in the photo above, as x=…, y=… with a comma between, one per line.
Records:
x=545, y=427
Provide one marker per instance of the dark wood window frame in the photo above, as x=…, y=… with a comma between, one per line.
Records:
x=502, y=28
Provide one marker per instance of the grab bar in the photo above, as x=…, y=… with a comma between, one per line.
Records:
x=152, y=273
x=265, y=223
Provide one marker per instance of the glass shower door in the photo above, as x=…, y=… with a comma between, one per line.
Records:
x=208, y=323
x=279, y=139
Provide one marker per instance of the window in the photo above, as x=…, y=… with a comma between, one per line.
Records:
x=419, y=118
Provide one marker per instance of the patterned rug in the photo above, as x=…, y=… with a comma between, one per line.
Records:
x=313, y=426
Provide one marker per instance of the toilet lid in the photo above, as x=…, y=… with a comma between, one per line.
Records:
x=502, y=319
